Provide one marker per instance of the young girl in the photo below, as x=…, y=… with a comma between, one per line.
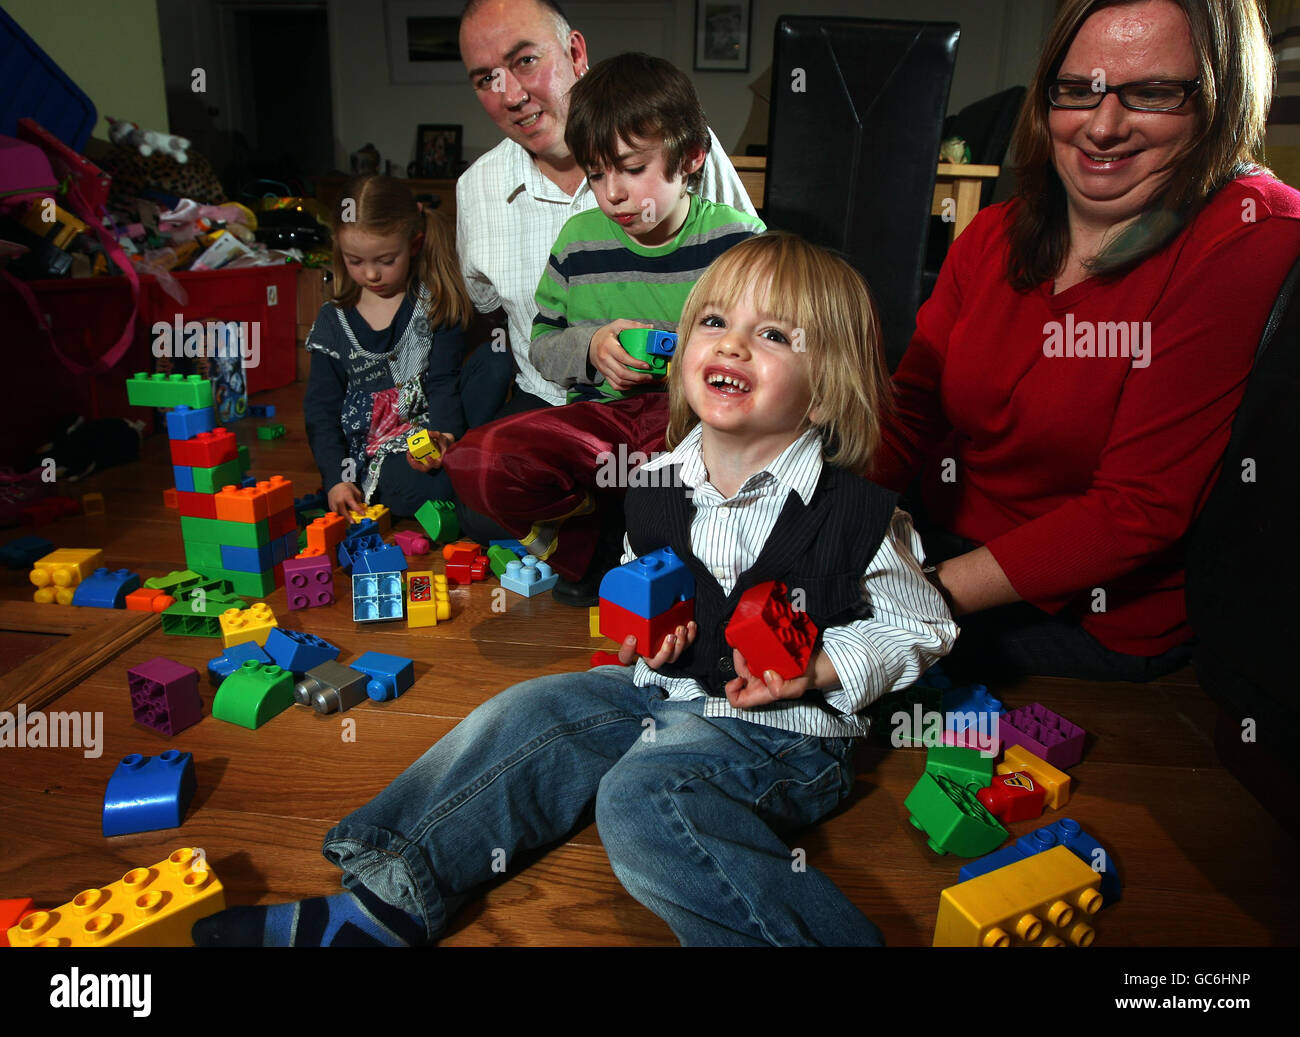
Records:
x=697, y=765
x=389, y=352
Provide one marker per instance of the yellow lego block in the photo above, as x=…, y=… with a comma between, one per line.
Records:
x=1042, y=901
x=383, y=518
x=427, y=599
x=54, y=595
x=421, y=445
x=593, y=620
x=1055, y=782
x=148, y=907
x=66, y=567
x=250, y=624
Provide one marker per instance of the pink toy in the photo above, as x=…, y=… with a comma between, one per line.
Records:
x=412, y=543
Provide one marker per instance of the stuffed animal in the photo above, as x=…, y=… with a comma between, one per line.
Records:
x=148, y=141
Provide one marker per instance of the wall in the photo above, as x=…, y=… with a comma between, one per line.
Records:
x=111, y=51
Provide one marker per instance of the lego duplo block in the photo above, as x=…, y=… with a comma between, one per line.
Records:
x=363, y=527
x=196, y=505
x=265, y=432
x=1065, y=832
x=353, y=547
x=499, y=559
x=105, y=589
x=171, y=500
x=1055, y=783
x=245, y=459
x=284, y=546
x=24, y=552
x=953, y=819
x=164, y=695
x=528, y=576
x=65, y=567
x=593, y=620
x=427, y=599
x=206, y=450
x=466, y=572
x=461, y=551
x=654, y=348
x=297, y=651
x=251, y=585
x=1046, y=900
x=386, y=558
x=250, y=624
x=379, y=515
x=253, y=694
x=148, y=793
x=414, y=544
x=92, y=504
x=967, y=768
x=327, y=533
x=770, y=634
x=212, y=479
x=233, y=658
x=169, y=390
x=513, y=546
x=261, y=410
x=969, y=706
x=438, y=519
x=1012, y=797
x=219, y=531
x=183, y=477
x=206, y=557
x=11, y=913
x=310, y=501
x=618, y=623
x=174, y=581
x=912, y=715
x=49, y=509
x=146, y=599
x=331, y=688
x=377, y=597
x=187, y=422
x=283, y=523
x=1045, y=734
x=390, y=675
x=605, y=659
x=245, y=559
x=649, y=585
x=308, y=582
x=421, y=445
x=279, y=493
x=241, y=505
x=148, y=907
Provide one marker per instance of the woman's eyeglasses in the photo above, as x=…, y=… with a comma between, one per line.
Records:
x=1161, y=96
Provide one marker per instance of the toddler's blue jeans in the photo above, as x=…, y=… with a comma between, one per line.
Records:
x=690, y=809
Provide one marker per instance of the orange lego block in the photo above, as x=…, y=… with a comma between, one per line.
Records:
x=148, y=907
x=279, y=493
x=462, y=552
x=242, y=504
x=171, y=500
x=250, y=624
x=149, y=599
x=1055, y=782
x=1042, y=901
x=327, y=533
x=427, y=599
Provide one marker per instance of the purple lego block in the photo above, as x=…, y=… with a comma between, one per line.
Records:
x=1047, y=735
x=308, y=582
x=411, y=543
x=165, y=695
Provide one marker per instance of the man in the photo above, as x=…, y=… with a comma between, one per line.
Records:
x=522, y=57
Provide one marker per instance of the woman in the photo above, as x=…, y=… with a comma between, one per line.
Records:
x=1071, y=385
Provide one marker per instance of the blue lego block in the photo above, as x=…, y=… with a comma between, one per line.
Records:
x=390, y=675
x=366, y=527
x=224, y=665
x=377, y=597
x=105, y=589
x=649, y=585
x=384, y=559
x=246, y=559
x=351, y=548
x=183, y=476
x=299, y=652
x=148, y=793
x=187, y=422
x=528, y=577
x=261, y=410
x=247, y=481
x=283, y=547
x=964, y=707
x=311, y=502
x=24, y=552
x=1065, y=832
x=661, y=343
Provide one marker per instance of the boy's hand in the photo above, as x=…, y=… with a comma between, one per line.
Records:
x=608, y=356
x=443, y=440
x=750, y=689
x=673, y=646
x=345, y=498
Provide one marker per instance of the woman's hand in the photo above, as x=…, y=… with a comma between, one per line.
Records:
x=345, y=499
x=608, y=356
x=431, y=463
x=671, y=650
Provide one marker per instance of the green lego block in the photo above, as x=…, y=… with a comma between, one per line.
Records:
x=243, y=459
x=302, y=539
x=499, y=557
x=250, y=585
x=884, y=708
x=214, y=587
x=968, y=768
x=181, y=619
x=270, y=431
x=173, y=581
x=438, y=519
x=253, y=694
x=202, y=556
x=212, y=480
x=168, y=390
x=309, y=517
x=221, y=531
x=955, y=821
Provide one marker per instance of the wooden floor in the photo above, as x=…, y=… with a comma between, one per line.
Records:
x=1202, y=863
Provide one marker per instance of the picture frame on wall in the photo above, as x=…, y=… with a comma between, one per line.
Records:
x=437, y=151
x=722, y=29
x=424, y=41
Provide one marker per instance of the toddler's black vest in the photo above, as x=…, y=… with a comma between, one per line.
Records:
x=822, y=549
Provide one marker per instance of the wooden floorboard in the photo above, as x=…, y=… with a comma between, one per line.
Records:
x=1202, y=862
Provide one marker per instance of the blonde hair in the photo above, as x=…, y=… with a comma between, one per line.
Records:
x=836, y=326
x=383, y=205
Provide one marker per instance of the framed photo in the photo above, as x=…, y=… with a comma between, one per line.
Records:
x=423, y=41
x=722, y=35
x=437, y=152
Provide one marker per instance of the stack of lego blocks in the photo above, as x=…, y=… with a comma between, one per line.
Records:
x=648, y=598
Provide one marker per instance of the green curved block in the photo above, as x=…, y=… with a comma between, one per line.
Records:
x=500, y=557
x=969, y=768
x=438, y=519
x=253, y=694
x=955, y=821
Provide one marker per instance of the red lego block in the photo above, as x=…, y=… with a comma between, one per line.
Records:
x=196, y=505
x=170, y=500
x=1013, y=797
x=605, y=659
x=11, y=913
x=147, y=599
x=242, y=504
x=49, y=509
x=327, y=533
x=617, y=622
x=465, y=562
x=462, y=552
x=281, y=522
x=206, y=450
x=308, y=582
x=769, y=633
